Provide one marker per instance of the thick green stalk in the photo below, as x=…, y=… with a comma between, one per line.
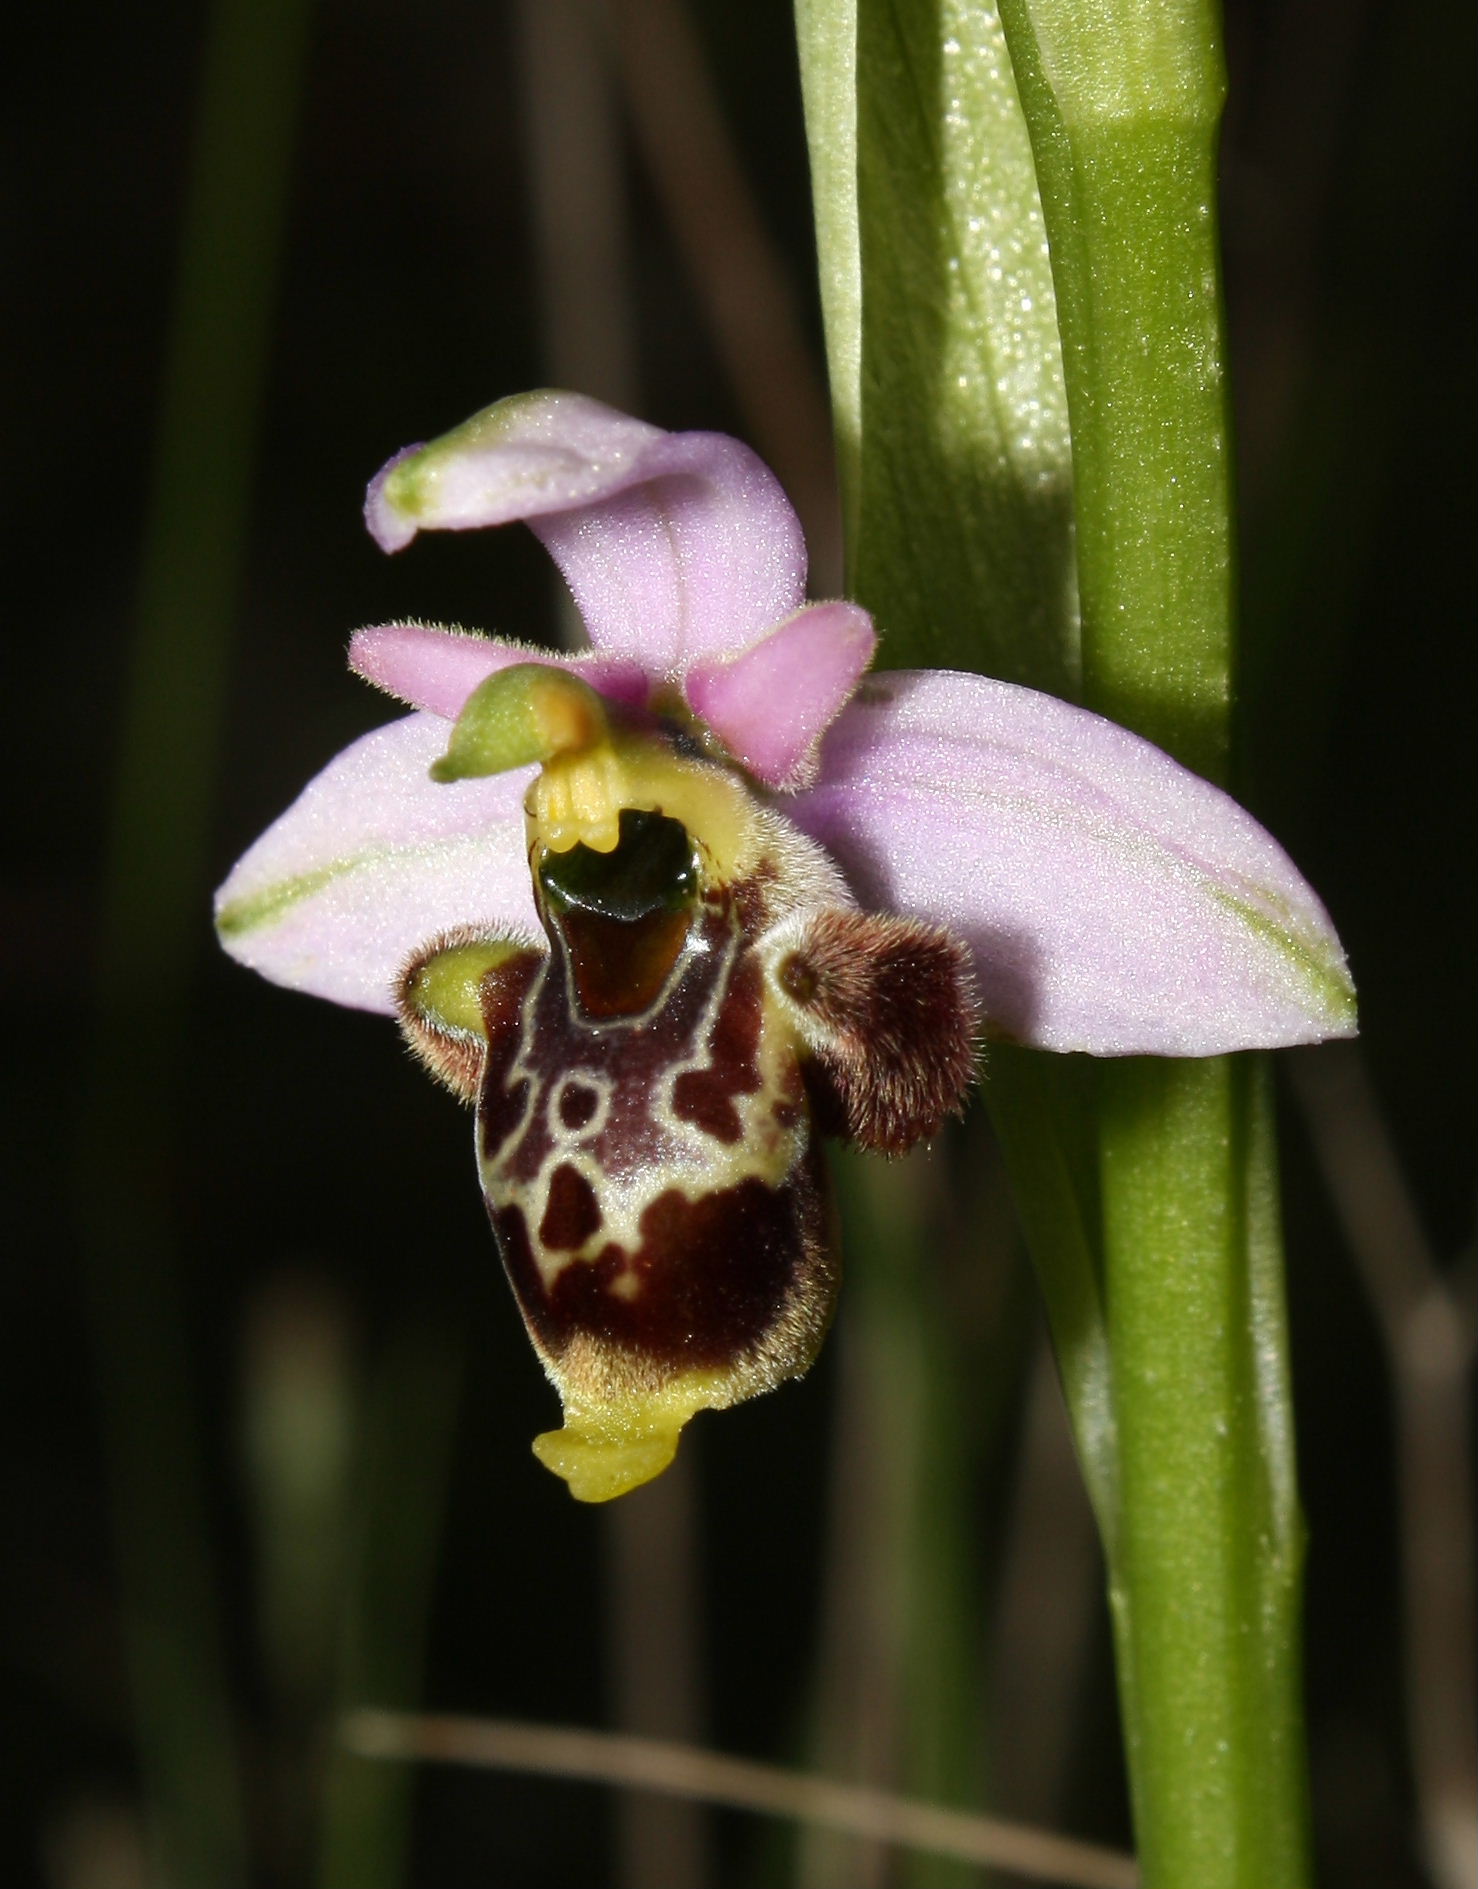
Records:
x=1204, y=1575
x=1147, y=1189
x=1123, y=101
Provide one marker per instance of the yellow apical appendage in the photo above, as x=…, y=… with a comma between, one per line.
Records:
x=607, y=1452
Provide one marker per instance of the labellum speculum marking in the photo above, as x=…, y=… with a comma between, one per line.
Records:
x=650, y=1080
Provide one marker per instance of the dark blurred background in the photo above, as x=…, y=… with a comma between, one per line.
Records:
x=255, y=1353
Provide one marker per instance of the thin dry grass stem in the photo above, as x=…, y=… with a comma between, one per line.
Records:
x=1043, y=1631
x=736, y=269
x=655, y=1644
x=574, y=148
x=738, y=1784
x=862, y=1656
x=1429, y=1334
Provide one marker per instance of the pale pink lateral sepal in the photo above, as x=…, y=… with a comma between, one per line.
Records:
x=1114, y=902
x=771, y=703
x=371, y=861
x=675, y=545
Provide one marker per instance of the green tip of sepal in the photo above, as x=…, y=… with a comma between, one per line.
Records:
x=452, y=767
x=405, y=487
x=412, y=486
x=522, y=716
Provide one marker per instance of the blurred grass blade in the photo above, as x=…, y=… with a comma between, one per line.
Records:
x=900, y=1688
x=739, y=1784
x=154, y=905
x=404, y=1453
x=298, y=1411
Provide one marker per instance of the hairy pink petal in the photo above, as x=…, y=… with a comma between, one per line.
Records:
x=771, y=704
x=1115, y=902
x=437, y=669
x=675, y=545
x=371, y=861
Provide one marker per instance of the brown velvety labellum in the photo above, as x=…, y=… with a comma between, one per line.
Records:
x=701, y=1289
x=646, y=1149
x=650, y=1098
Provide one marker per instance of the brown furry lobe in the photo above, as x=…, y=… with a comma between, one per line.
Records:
x=888, y=1009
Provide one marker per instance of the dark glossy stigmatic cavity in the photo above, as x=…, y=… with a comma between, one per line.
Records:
x=653, y=868
x=623, y=916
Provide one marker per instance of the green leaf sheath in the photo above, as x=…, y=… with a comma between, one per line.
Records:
x=941, y=331
x=959, y=526
x=942, y=338
x=1044, y=1111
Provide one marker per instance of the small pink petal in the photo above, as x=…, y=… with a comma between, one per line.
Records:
x=436, y=669
x=371, y=861
x=772, y=703
x=1115, y=902
x=675, y=545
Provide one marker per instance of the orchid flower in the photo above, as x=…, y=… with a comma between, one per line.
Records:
x=670, y=909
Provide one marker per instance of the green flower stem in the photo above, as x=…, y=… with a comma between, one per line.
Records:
x=1123, y=102
x=1147, y=1189
x=1204, y=1574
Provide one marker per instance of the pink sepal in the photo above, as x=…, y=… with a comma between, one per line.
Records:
x=1114, y=901
x=371, y=861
